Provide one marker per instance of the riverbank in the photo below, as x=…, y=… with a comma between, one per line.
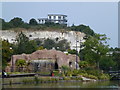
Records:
x=44, y=79
x=26, y=78
x=38, y=81
x=62, y=84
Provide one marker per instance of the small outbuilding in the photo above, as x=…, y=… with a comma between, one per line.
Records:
x=41, y=60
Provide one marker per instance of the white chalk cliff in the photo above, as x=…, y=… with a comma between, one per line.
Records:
x=70, y=36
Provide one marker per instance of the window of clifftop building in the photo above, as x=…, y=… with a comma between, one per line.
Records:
x=49, y=17
x=63, y=17
x=54, y=17
x=59, y=17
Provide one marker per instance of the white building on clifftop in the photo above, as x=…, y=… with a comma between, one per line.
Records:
x=55, y=18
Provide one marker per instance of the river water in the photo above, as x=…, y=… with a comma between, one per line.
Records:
x=97, y=84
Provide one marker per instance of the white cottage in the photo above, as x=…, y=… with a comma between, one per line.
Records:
x=55, y=18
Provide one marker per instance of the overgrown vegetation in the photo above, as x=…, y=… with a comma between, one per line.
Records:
x=84, y=72
x=20, y=63
x=82, y=28
x=34, y=25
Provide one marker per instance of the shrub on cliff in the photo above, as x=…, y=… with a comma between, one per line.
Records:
x=24, y=45
x=49, y=43
x=62, y=45
x=82, y=28
x=72, y=51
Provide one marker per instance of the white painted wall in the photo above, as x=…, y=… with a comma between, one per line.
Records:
x=56, y=21
x=61, y=17
x=52, y=17
x=56, y=17
x=48, y=17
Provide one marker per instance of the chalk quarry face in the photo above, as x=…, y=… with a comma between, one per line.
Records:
x=51, y=58
x=70, y=36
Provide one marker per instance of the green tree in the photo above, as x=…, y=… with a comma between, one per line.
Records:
x=24, y=45
x=116, y=57
x=82, y=28
x=94, y=48
x=106, y=62
x=38, y=42
x=7, y=52
x=31, y=47
x=40, y=48
x=62, y=45
x=83, y=64
x=33, y=22
x=1, y=22
x=1, y=54
x=5, y=25
x=22, y=42
x=72, y=51
x=49, y=43
x=65, y=69
x=26, y=26
x=20, y=63
x=16, y=22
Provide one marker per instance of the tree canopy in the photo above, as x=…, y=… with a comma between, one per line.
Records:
x=82, y=28
x=62, y=45
x=33, y=22
x=7, y=51
x=24, y=45
x=20, y=62
x=49, y=43
x=16, y=22
x=116, y=57
x=95, y=49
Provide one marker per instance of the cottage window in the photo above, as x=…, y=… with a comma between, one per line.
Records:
x=54, y=17
x=59, y=17
x=49, y=17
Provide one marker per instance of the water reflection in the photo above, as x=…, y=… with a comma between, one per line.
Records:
x=98, y=84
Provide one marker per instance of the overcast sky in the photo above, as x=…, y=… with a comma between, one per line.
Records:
x=102, y=17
